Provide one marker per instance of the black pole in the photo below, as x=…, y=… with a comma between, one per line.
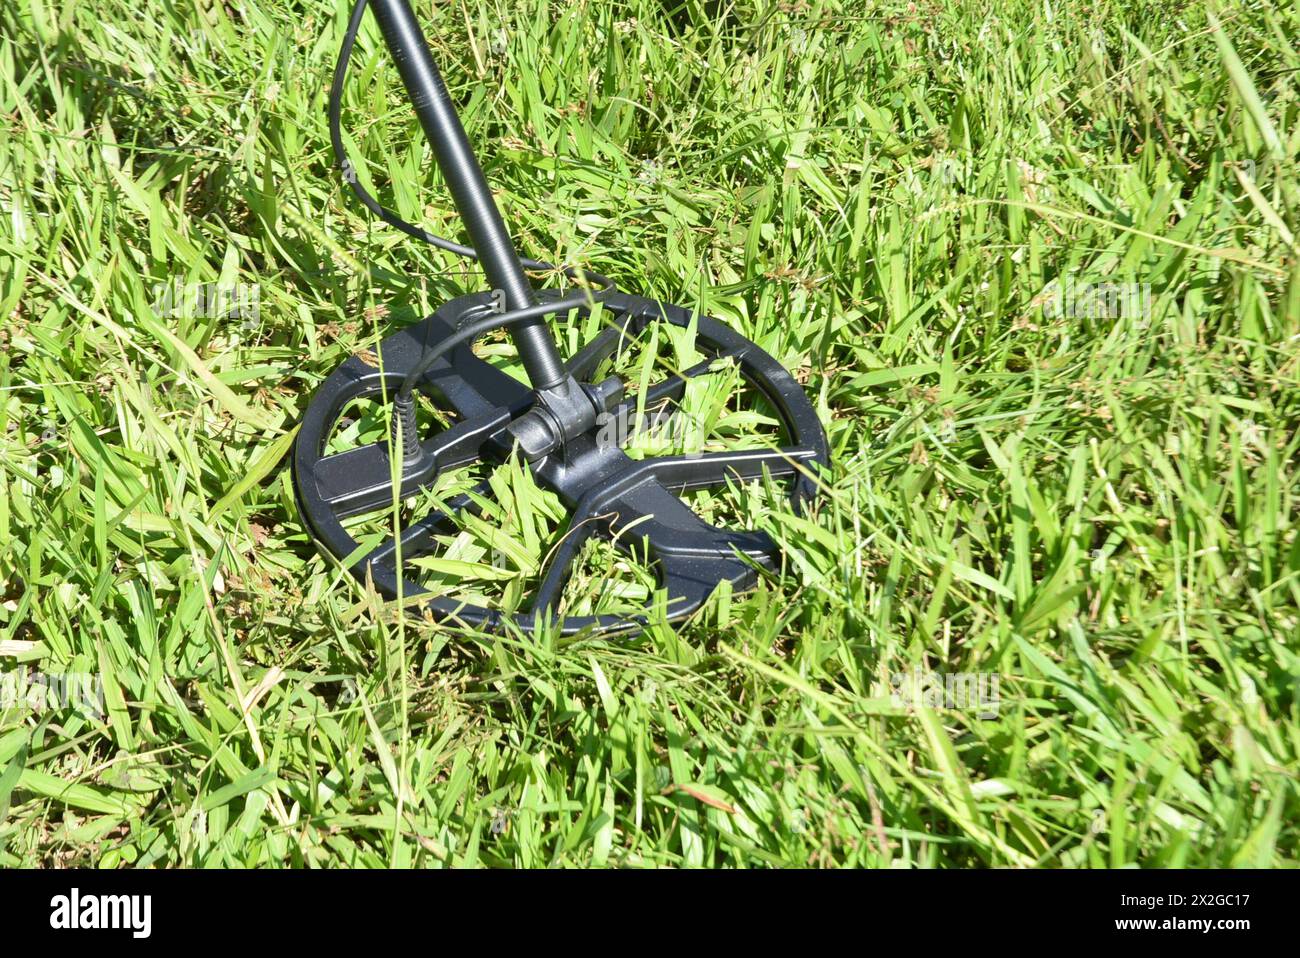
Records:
x=469, y=188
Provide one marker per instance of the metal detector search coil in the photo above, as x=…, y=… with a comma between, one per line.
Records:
x=552, y=423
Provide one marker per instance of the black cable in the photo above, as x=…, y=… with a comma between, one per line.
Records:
x=404, y=402
x=349, y=171
x=372, y=204
x=404, y=405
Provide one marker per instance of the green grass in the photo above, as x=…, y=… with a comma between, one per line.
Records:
x=1100, y=511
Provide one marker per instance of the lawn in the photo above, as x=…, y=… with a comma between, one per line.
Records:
x=1035, y=262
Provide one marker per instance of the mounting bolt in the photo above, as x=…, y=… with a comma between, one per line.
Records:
x=536, y=433
x=561, y=412
x=605, y=395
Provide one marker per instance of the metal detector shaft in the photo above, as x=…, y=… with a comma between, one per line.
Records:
x=468, y=186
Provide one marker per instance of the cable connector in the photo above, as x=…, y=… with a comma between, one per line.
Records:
x=406, y=433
